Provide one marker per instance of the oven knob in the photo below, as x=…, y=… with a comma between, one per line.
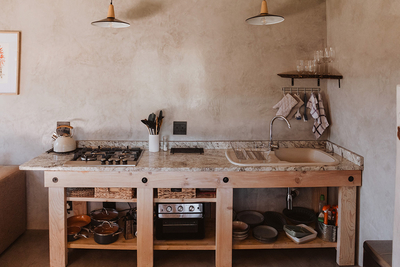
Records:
x=103, y=161
x=125, y=161
x=110, y=162
x=117, y=161
x=180, y=208
x=169, y=208
x=191, y=208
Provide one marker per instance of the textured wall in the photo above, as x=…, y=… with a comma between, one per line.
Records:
x=366, y=37
x=196, y=60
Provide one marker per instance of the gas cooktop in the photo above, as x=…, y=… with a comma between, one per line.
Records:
x=106, y=156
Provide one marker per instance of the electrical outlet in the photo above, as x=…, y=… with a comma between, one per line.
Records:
x=180, y=127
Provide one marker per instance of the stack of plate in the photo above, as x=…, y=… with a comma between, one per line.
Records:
x=265, y=234
x=240, y=230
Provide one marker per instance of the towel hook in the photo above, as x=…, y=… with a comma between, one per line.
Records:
x=290, y=90
x=297, y=90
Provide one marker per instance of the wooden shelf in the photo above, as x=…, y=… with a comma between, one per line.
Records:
x=120, y=244
x=95, y=199
x=184, y=200
x=208, y=243
x=283, y=242
x=293, y=76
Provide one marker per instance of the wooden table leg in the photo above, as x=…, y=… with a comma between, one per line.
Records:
x=346, y=236
x=57, y=227
x=223, y=229
x=145, y=227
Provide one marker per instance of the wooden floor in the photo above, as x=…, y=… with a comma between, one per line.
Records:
x=31, y=249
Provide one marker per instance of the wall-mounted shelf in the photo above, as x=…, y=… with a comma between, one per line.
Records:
x=293, y=76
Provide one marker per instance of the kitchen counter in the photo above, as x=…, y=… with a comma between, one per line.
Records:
x=209, y=170
x=213, y=159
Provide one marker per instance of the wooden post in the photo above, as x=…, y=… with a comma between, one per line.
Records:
x=346, y=236
x=223, y=233
x=145, y=227
x=57, y=227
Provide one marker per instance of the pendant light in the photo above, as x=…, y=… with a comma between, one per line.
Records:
x=264, y=18
x=110, y=21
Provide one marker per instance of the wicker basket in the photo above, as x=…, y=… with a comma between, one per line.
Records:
x=114, y=192
x=176, y=192
x=80, y=192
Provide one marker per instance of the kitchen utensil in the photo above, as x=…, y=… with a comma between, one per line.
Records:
x=265, y=234
x=101, y=215
x=78, y=220
x=296, y=231
x=275, y=219
x=298, y=114
x=65, y=142
x=305, y=119
x=300, y=215
x=305, y=238
x=252, y=218
x=74, y=233
x=107, y=233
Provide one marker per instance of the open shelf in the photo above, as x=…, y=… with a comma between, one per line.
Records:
x=283, y=242
x=208, y=243
x=120, y=244
x=293, y=76
x=96, y=199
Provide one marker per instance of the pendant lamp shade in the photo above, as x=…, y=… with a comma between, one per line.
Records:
x=110, y=21
x=264, y=18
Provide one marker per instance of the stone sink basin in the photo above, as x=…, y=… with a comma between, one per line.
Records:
x=280, y=157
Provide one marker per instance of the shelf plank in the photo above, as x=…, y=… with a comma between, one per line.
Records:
x=120, y=244
x=184, y=200
x=310, y=76
x=283, y=242
x=95, y=199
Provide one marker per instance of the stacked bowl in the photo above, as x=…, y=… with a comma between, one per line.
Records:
x=240, y=230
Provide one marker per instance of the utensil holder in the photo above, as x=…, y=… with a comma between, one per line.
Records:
x=327, y=232
x=154, y=143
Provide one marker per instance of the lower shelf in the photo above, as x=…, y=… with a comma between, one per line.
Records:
x=283, y=242
x=120, y=244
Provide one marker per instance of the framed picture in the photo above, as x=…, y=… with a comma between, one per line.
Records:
x=9, y=62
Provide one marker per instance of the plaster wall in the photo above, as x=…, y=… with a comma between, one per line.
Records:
x=198, y=61
x=366, y=37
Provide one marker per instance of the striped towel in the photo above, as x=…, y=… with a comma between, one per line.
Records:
x=320, y=121
x=312, y=104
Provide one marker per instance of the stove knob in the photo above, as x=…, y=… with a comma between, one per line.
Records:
x=180, y=208
x=191, y=208
x=169, y=208
x=110, y=162
x=117, y=161
x=103, y=161
x=125, y=161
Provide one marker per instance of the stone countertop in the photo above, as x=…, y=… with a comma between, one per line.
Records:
x=213, y=159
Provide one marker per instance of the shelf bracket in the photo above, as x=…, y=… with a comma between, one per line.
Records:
x=319, y=82
x=339, y=82
x=293, y=82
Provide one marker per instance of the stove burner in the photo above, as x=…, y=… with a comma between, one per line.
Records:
x=105, y=156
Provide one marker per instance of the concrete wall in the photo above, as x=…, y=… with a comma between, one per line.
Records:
x=198, y=61
x=366, y=37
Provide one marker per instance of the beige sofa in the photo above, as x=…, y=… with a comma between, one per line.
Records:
x=12, y=205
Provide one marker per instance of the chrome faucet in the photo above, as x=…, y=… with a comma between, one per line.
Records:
x=271, y=146
x=289, y=199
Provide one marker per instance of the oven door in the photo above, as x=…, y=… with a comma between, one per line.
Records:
x=179, y=228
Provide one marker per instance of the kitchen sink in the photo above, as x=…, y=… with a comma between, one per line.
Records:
x=280, y=157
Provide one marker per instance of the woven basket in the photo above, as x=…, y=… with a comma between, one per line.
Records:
x=176, y=192
x=114, y=192
x=80, y=192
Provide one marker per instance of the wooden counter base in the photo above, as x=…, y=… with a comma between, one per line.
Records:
x=224, y=182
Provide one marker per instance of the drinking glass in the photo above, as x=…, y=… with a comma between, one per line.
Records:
x=329, y=56
x=318, y=56
x=300, y=66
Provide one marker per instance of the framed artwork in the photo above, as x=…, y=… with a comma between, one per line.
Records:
x=9, y=62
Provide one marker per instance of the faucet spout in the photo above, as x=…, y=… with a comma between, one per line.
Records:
x=271, y=146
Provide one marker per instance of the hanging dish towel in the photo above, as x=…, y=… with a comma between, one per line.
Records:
x=313, y=106
x=320, y=123
x=296, y=107
x=285, y=105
